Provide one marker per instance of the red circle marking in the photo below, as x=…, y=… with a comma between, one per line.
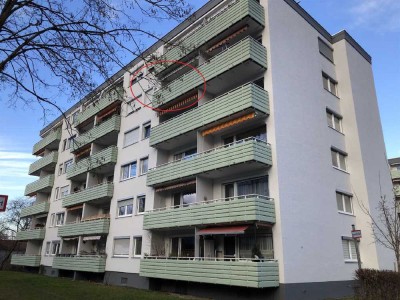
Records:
x=147, y=65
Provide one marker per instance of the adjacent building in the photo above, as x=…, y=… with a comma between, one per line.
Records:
x=242, y=185
x=395, y=172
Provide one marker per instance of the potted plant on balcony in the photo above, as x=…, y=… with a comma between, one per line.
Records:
x=256, y=253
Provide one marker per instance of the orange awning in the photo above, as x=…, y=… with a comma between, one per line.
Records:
x=178, y=105
x=227, y=39
x=223, y=230
x=75, y=207
x=228, y=124
x=175, y=186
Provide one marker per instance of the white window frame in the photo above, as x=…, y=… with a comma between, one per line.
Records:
x=141, y=163
x=64, y=192
x=137, y=204
x=348, y=241
x=129, y=165
x=125, y=208
x=137, y=129
x=121, y=238
x=334, y=116
x=68, y=164
x=135, y=239
x=52, y=220
x=339, y=153
x=147, y=124
x=57, y=244
x=344, y=204
x=330, y=82
x=60, y=169
x=47, y=249
x=56, y=193
x=62, y=219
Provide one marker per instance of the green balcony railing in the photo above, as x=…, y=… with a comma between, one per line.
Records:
x=235, y=209
x=35, y=209
x=43, y=185
x=111, y=125
x=92, y=263
x=248, y=96
x=47, y=161
x=396, y=189
x=102, y=191
x=89, y=227
x=244, y=273
x=250, y=149
x=244, y=50
x=91, y=163
x=25, y=260
x=51, y=140
x=33, y=234
x=395, y=174
x=213, y=27
x=109, y=97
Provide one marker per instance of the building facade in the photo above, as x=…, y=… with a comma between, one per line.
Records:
x=395, y=172
x=243, y=181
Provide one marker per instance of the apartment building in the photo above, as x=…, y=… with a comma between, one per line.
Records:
x=395, y=172
x=245, y=185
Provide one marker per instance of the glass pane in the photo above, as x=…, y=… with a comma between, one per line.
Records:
x=174, y=247
x=261, y=186
x=332, y=87
x=347, y=204
x=339, y=202
x=329, y=119
x=177, y=200
x=125, y=172
x=133, y=170
x=346, y=250
x=334, y=159
x=145, y=166
x=121, y=247
x=146, y=131
x=138, y=246
x=228, y=140
x=325, y=83
x=188, y=198
x=121, y=211
x=187, y=247
x=353, y=251
x=129, y=209
x=141, y=204
x=245, y=188
x=342, y=161
x=229, y=190
x=337, y=124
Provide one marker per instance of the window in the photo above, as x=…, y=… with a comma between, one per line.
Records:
x=141, y=204
x=256, y=186
x=146, y=130
x=184, y=199
x=128, y=171
x=64, y=191
x=70, y=142
x=138, y=77
x=121, y=247
x=64, y=144
x=329, y=84
x=52, y=219
x=185, y=154
x=55, y=248
x=334, y=120
x=48, y=244
x=56, y=194
x=131, y=137
x=132, y=106
x=325, y=50
x=344, y=203
x=349, y=249
x=144, y=165
x=125, y=207
x=338, y=159
x=137, y=246
x=67, y=165
x=74, y=117
x=60, y=169
x=59, y=219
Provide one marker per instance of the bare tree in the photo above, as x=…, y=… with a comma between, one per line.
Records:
x=385, y=224
x=12, y=222
x=51, y=49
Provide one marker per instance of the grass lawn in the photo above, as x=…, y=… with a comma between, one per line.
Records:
x=18, y=285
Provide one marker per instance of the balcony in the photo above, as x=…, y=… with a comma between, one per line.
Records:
x=255, y=153
x=98, y=192
x=395, y=174
x=25, y=260
x=43, y=185
x=46, y=163
x=232, y=18
x=50, y=141
x=237, y=209
x=245, y=59
x=105, y=133
x=110, y=97
x=247, y=98
x=92, y=263
x=244, y=273
x=35, y=209
x=33, y=234
x=88, y=227
x=101, y=162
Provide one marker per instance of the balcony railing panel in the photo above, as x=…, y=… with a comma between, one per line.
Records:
x=247, y=150
x=52, y=140
x=42, y=185
x=235, y=209
x=111, y=125
x=213, y=27
x=101, y=191
x=26, y=260
x=246, y=49
x=395, y=174
x=248, y=96
x=104, y=157
x=46, y=161
x=35, y=209
x=33, y=234
x=245, y=273
x=96, y=264
x=90, y=227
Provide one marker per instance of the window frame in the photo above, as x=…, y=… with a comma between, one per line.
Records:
x=62, y=193
x=125, y=208
x=60, y=169
x=113, y=249
x=62, y=219
x=321, y=41
x=52, y=220
x=47, y=249
x=348, y=242
x=338, y=154
x=138, y=198
x=141, y=163
x=144, y=126
x=68, y=164
x=124, y=145
x=57, y=244
x=330, y=81
x=334, y=115
x=343, y=195
x=135, y=239
x=129, y=165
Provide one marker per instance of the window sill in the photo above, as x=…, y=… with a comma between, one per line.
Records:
x=123, y=217
x=351, y=261
x=332, y=93
x=126, y=179
x=336, y=130
x=136, y=257
x=346, y=213
x=344, y=171
x=140, y=213
x=120, y=256
x=142, y=174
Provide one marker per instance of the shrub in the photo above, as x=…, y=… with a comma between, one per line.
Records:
x=376, y=285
